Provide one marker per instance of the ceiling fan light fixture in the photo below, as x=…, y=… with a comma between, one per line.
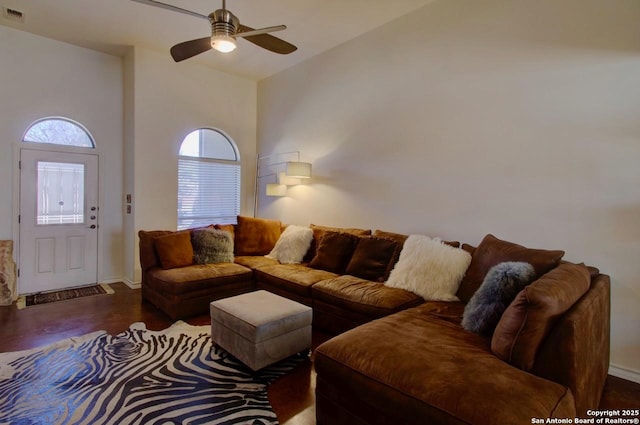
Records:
x=223, y=43
x=225, y=28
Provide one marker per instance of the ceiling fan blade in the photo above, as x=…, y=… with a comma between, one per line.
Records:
x=171, y=7
x=267, y=41
x=259, y=31
x=188, y=49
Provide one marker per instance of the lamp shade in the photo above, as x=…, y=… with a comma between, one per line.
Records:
x=276, y=189
x=288, y=181
x=299, y=170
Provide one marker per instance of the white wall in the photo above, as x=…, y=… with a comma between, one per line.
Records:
x=169, y=101
x=145, y=99
x=40, y=77
x=466, y=118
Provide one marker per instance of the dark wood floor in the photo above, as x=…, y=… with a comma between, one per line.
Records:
x=292, y=396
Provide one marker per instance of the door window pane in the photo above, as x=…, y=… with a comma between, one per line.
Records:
x=59, y=131
x=60, y=193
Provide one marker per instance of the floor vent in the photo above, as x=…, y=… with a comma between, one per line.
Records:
x=13, y=15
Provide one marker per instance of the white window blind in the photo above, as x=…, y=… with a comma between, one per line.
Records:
x=208, y=192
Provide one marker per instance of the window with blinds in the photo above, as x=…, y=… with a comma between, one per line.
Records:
x=208, y=180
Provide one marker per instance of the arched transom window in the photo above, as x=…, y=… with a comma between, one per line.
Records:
x=59, y=131
x=208, y=179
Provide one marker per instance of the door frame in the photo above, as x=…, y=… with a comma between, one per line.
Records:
x=17, y=147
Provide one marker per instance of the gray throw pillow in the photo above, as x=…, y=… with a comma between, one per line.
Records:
x=212, y=246
x=500, y=286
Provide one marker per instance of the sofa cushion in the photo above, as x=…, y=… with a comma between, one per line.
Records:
x=400, y=240
x=334, y=252
x=227, y=228
x=174, y=249
x=148, y=254
x=429, y=370
x=362, y=296
x=194, y=278
x=211, y=246
x=499, y=288
x=429, y=268
x=372, y=257
x=291, y=278
x=254, y=262
x=256, y=236
x=492, y=251
x=534, y=311
x=292, y=245
x=319, y=231
x=399, y=237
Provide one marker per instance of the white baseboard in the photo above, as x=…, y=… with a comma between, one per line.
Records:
x=624, y=373
x=112, y=280
x=131, y=284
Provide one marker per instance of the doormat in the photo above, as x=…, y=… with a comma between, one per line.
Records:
x=66, y=294
x=174, y=376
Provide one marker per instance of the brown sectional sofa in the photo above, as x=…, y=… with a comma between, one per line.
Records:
x=398, y=359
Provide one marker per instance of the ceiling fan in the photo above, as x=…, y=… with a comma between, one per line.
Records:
x=225, y=28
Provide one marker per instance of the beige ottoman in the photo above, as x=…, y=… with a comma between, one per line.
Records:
x=260, y=328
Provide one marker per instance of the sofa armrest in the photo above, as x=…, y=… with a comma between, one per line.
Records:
x=576, y=352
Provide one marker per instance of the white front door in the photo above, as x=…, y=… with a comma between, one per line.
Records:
x=58, y=220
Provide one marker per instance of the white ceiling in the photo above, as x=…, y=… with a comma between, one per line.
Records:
x=110, y=26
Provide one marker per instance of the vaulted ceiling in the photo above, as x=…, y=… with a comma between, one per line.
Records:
x=111, y=26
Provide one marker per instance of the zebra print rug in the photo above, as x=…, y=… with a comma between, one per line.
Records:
x=172, y=376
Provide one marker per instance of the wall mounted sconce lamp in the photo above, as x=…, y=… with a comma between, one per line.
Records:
x=299, y=170
x=274, y=189
x=295, y=172
x=283, y=179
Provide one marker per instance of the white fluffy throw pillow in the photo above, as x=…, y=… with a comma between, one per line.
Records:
x=292, y=245
x=429, y=268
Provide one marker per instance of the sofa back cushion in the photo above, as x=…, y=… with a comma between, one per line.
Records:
x=319, y=231
x=227, y=228
x=256, y=236
x=492, y=251
x=334, y=252
x=372, y=257
x=401, y=238
x=148, y=255
x=533, y=313
x=175, y=249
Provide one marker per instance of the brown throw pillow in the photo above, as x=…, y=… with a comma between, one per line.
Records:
x=398, y=237
x=371, y=258
x=492, y=251
x=535, y=310
x=334, y=252
x=319, y=231
x=175, y=250
x=148, y=253
x=256, y=236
